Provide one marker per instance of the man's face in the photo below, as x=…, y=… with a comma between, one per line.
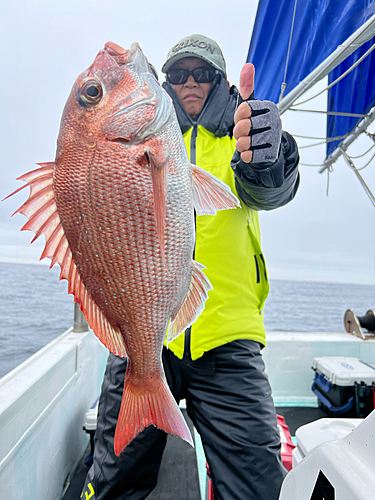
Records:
x=191, y=94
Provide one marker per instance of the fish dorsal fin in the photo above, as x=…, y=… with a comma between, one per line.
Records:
x=210, y=193
x=193, y=304
x=40, y=208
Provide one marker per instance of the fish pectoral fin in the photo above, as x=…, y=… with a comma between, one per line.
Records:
x=193, y=305
x=43, y=218
x=141, y=408
x=159, y=170
x=210, y=193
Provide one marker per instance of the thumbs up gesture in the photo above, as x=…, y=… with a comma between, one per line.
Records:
x=257, y=123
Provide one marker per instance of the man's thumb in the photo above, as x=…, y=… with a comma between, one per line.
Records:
x=247, y=81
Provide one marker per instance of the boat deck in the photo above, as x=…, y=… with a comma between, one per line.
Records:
x=179, y=476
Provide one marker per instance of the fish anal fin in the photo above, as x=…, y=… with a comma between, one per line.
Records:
x=194, y=302
x=159, y=170
x=141, y=408
x=210, y=193
x=43, y=218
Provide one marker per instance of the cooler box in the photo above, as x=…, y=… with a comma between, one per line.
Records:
x=345, y=386
x=311, y=435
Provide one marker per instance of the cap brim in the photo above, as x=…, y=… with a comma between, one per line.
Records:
x=168, y=64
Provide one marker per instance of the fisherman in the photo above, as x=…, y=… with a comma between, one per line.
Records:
x=216, y=365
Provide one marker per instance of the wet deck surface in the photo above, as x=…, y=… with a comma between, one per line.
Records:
x=178, y=476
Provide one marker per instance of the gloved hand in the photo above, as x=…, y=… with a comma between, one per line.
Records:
x=257, y=123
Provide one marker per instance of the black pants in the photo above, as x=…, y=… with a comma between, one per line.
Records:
x=229, y=400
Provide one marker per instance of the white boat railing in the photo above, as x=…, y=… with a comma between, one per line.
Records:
x=42, y=406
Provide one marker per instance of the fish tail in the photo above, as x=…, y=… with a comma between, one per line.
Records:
x=141, y=408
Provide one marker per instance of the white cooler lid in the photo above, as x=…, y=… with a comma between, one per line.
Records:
x=344, y=371
x=325, y=429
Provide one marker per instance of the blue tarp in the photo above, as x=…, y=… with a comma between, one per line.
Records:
x=353, y=94
x=319, y=27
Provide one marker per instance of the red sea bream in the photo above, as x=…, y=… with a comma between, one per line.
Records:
x=117, y=210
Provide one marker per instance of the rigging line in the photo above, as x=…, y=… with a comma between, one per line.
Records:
x=322, y=138
x=329, y=170
x=312, y=145
x=365, y=187
x=332, y=113
x=352, y=157
x=340, y=77
x=327, y=141
x=311, y=164
x=364, y=154
x=283, y=85
x=360, y=178
x=368, y=163
x=333, y=139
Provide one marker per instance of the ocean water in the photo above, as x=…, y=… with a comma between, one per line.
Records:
x=35, y=308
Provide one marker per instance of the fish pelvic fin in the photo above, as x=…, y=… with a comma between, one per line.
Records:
x=142, y=407
x=194, y=302
x=159, y=169
x=43, y=218
x=210, y=193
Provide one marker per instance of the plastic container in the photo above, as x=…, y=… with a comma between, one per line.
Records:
x=344, y=386
x=311, y=435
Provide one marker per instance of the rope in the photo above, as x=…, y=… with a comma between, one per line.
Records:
x=332, y=113
x=313, y=145
x=340, y=77
x=322, y=138
x=328, y=140
x=283, y=85
x=368, y=163
x=364, y=154
x=329, y=170
x=311, y=164
x=360, y=178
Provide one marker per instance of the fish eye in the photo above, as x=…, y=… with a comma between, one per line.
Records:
x=91, y=92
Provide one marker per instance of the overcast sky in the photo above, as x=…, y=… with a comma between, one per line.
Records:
x=46, y=44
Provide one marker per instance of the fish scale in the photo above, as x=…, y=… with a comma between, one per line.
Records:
x=117, y=210
x=134, y=265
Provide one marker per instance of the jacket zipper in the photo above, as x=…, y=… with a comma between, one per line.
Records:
x=193, y=155
x=193, y=144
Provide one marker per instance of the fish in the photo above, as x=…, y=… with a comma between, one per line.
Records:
x=116, y=208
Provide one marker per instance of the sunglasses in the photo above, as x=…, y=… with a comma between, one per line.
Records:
x=179, y=76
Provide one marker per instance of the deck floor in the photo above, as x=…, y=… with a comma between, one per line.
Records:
x=178, y=476
x=300, y=415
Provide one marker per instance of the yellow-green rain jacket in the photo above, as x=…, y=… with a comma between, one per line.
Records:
x=229, y=243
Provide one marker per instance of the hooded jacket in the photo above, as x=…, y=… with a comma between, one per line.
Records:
x=229, y=244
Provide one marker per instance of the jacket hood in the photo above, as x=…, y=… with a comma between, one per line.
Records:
x=218, y=110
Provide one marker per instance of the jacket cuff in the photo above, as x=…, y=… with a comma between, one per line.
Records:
x=265, y=186
x=266, y=174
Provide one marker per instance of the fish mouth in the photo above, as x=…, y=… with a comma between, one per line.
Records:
x=113, y=49
x=125, y=56
x=148, y=92
x=138, y=63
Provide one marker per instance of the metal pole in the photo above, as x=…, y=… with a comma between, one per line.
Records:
x=80, y=324
x=343, y=146
x=362, y=35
